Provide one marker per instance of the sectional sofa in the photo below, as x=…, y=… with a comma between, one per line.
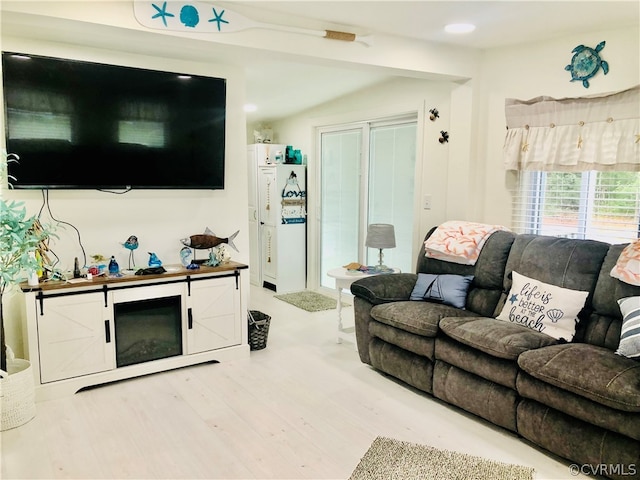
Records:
x=567, y=391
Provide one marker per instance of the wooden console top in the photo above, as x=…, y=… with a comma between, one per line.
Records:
x=171, y=271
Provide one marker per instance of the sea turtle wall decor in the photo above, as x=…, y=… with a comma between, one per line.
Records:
x=586, y=62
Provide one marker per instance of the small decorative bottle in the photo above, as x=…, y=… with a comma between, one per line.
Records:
x=114, y=268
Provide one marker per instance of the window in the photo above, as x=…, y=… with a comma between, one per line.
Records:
x=595, y=205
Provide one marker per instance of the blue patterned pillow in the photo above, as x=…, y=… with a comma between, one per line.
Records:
x=446, y=288
x=630, y=333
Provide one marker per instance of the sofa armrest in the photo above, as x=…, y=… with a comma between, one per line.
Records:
x=384, y=288
x=375, y=290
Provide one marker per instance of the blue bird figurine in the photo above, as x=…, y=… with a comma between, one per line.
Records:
x=154, y=261
x=131, y=244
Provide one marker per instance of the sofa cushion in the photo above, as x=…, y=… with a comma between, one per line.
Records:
x=494, y=337
x=475, y=394
x=630, y=332
x=587, y=370
x=447, y=289
x=419, y=318
x=499, y=370
x=418, y=344
x=625, y=423
x=565, y=262
x=602, y=326
x=582, y=442
x=547, y=308
x=413, y=369
x=488, y=271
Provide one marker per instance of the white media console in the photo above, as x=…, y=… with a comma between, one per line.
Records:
x=107, y=329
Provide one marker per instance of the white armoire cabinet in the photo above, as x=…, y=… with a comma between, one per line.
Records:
x=277, y=219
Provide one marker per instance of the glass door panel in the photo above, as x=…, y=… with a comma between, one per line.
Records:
x=392, y=157
x=340, y=200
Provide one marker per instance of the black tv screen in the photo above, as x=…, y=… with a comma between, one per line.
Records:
x=83, y=125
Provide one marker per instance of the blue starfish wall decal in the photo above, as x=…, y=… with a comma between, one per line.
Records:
x=162, y=13
x=218, y=18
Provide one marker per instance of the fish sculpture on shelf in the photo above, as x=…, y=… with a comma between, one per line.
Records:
x=208, y=239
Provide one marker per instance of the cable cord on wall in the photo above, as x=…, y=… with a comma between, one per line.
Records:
x=45, y=203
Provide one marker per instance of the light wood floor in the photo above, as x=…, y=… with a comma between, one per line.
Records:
x=303, y=408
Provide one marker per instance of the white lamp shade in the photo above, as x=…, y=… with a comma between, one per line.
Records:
x=381, y=235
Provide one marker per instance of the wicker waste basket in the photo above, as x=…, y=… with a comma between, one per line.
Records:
x=258, y=329
x=17, y=393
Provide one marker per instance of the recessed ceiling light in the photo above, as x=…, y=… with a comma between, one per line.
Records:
x=250, y=107
x=184, y=77
x=459, y=28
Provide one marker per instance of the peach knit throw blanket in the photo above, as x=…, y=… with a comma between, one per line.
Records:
x=627, y=267
x=459, y=241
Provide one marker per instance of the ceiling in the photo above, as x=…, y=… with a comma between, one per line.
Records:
x=499, y=23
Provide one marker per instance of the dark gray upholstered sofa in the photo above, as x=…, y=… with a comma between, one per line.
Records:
x=577, y=399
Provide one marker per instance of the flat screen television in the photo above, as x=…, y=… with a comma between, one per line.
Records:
x=84, y=125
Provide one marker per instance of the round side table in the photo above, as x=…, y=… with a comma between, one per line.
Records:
x=344, y=278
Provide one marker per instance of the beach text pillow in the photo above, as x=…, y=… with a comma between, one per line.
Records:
x=446, y=288
x=630, y=332
x=543, y=307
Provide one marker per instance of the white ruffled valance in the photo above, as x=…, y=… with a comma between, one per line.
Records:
x=597, y=132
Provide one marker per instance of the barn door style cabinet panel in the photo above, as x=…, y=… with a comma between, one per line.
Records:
x=212, y=309
x=106, y=329
x=73, y=337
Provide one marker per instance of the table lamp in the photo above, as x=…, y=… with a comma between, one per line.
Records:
x=380, y=235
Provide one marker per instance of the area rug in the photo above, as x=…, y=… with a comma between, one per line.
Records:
x=309, y=301
x=394, y=459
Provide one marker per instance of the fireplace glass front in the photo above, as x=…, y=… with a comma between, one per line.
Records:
x=147, y=330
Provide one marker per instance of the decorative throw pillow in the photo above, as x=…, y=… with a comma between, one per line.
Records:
x=627, y=268
x=448, y=289
x=630, y=333
x=543, y=307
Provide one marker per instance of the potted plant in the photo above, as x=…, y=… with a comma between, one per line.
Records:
x=19, y=241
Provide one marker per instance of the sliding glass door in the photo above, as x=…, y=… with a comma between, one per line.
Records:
x=367, y=176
